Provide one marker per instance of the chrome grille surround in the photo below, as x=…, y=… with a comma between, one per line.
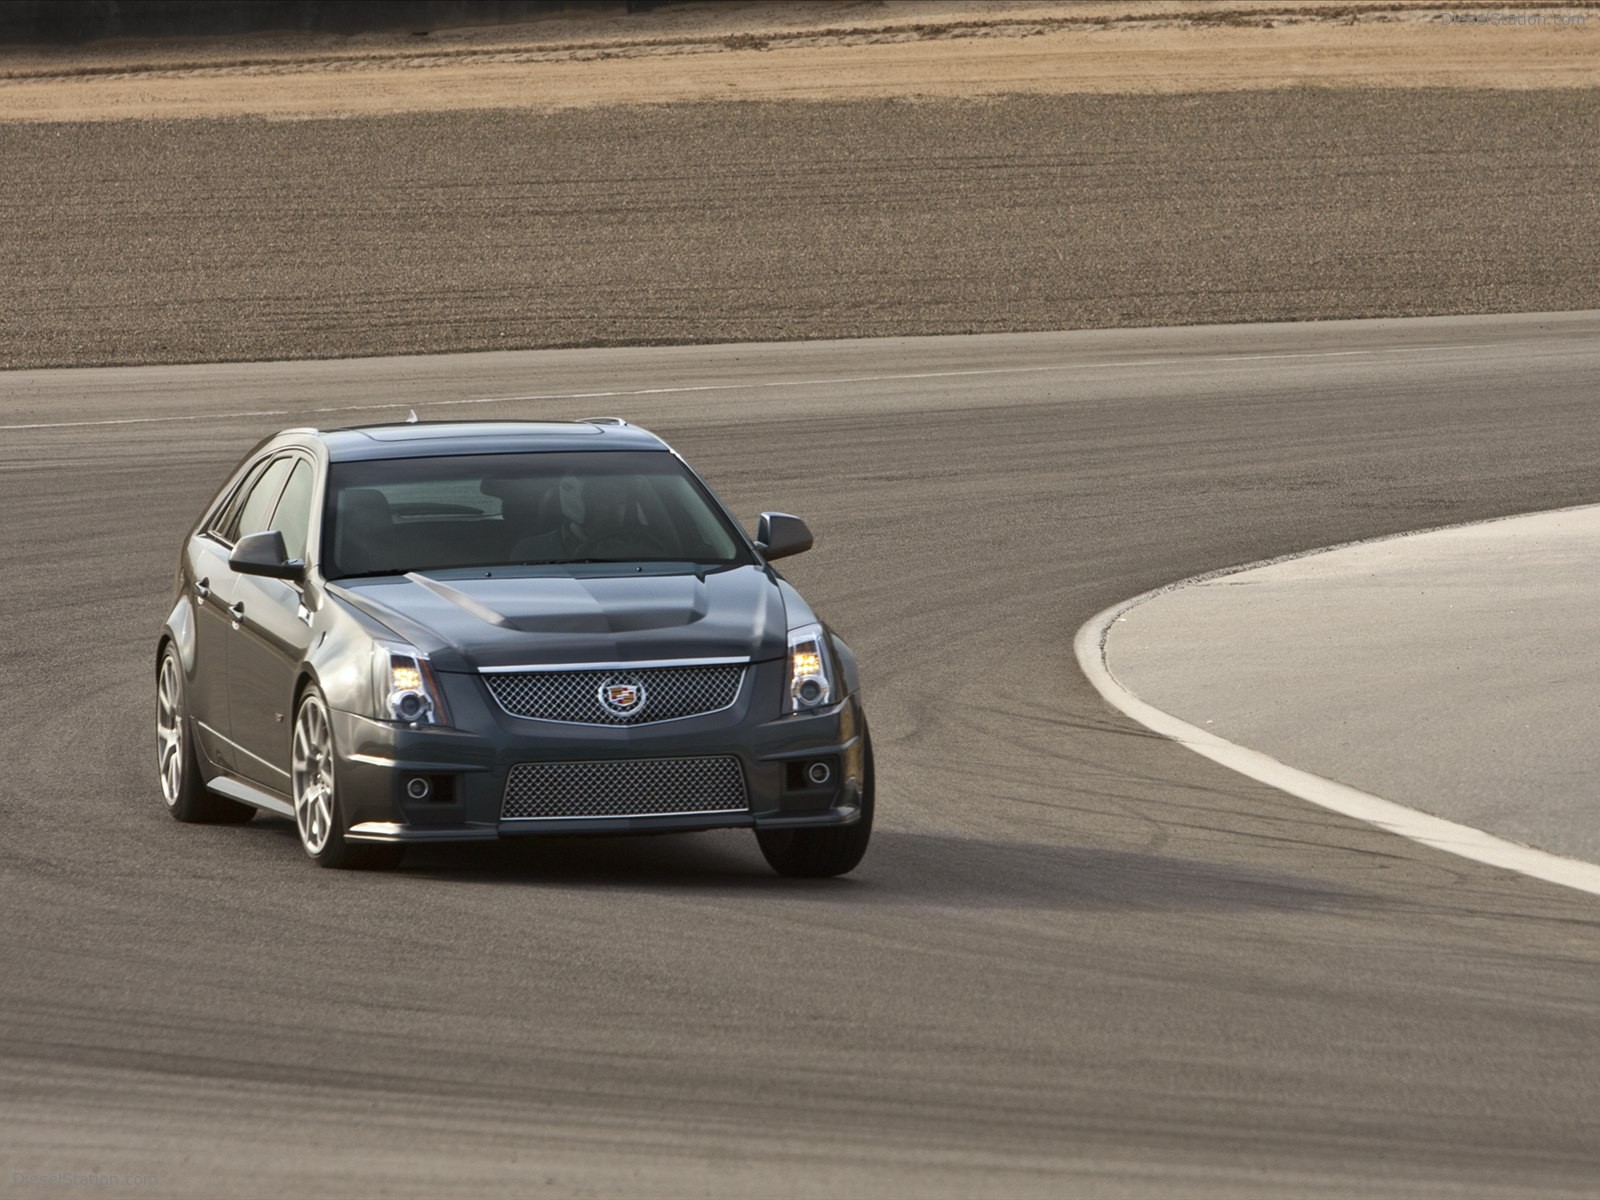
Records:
x=572, y=695
x=629, y=787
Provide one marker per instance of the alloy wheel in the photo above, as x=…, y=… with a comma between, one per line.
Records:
x=312, y=775
x=169, y=730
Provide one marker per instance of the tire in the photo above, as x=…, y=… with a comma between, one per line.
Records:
x=176, y=765
x=313, y=778
x=822, y=853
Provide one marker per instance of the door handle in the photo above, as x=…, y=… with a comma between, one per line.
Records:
x=202, y=588
x=236, y=611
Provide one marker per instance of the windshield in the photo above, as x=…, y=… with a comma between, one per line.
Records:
x=389, y=516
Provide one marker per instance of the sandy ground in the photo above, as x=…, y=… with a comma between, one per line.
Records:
x=819, y=51
x=207, y=240
x=545, y=219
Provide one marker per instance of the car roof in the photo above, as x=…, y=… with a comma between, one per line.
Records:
x=428, y=439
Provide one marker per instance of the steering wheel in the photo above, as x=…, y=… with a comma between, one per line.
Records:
x=628, y=540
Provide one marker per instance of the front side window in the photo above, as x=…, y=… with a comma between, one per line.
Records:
x=257, y=500
x=387, y=516
x=293, y=515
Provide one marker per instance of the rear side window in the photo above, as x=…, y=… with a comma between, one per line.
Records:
x=293, y=517
x=227, y=517
x=258, y=498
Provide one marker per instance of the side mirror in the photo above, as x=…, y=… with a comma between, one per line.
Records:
x=780, y=535
x=265, y=554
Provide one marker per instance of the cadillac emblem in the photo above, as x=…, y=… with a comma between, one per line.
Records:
x=622, y=696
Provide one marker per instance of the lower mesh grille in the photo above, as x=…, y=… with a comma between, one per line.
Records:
x=624, y=788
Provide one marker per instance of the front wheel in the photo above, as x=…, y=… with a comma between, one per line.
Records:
x=316, y=798
x=820, y=853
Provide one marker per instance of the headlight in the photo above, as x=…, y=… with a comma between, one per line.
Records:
x=810, y=673
x=406, y=689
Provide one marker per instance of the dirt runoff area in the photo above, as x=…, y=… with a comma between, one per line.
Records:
x=745, y=171
x=822, y=51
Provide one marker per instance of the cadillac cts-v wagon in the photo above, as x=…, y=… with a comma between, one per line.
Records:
x=451, y=632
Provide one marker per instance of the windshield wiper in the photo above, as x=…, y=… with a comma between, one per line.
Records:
x=383, y=574
x=567, y=562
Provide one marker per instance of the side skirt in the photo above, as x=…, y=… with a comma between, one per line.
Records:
x=249, y=793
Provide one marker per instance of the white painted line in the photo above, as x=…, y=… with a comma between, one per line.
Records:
x=1462, y=840
x=1344, y=353
x=1122, y=365
x=612, y=395
x=260, y=412
x=843, y=379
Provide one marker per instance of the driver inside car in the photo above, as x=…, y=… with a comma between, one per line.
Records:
x=594, y=522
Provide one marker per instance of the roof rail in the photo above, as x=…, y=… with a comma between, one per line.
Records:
x=601, y=421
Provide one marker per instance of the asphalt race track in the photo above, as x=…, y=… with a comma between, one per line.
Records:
x=1078, y=959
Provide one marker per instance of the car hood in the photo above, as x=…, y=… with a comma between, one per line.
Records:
x=537, y=619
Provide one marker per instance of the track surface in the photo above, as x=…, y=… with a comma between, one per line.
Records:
x=1077, y=960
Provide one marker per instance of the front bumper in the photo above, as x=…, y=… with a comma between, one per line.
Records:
x=467, y=766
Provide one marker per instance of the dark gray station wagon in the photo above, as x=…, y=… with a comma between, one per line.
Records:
x=446, y=632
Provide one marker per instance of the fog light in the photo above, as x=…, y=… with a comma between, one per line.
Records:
x=819, y=772
x=418, y=788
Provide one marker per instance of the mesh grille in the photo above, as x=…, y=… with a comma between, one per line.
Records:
x=664, y=693
x=624, y=788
